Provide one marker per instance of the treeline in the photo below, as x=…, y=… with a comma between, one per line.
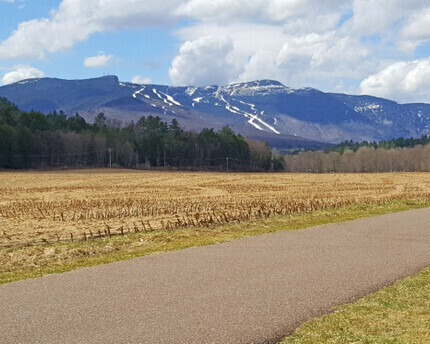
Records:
x=395, y=143
x=366, y=158
x=34, y=140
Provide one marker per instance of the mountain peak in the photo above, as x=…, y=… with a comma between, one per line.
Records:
x=264, y=82
x=255, y=87
x=257, y=83
x=264, y=108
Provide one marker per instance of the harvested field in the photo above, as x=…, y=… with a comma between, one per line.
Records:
x=47, y=207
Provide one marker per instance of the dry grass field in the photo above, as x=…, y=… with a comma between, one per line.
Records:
x=185, y=209
x=49, y=207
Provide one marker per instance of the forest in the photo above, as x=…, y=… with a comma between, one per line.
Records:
x=32, y=140
x=385, y=156
x=400, y=142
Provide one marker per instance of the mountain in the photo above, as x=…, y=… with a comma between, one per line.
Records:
x=264, y=109
x=407, y=120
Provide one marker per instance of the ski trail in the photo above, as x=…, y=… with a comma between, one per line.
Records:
x=135, y=94
x=169, y=101
x=252, y=117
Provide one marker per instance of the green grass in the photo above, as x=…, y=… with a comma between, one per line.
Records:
x=36, y=261
x=399, y=314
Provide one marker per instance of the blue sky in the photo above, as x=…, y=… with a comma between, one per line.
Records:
x=147, y=52
x=372, y=47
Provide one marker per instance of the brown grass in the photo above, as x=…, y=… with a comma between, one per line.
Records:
x=49, y=207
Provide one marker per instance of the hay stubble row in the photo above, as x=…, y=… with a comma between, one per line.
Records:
x=47, y=207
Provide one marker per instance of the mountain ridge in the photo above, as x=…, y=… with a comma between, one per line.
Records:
x=260, y=109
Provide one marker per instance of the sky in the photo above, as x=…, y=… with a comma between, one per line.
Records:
x=374, y=47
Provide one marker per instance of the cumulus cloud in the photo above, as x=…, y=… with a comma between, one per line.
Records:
x=318, y=43
x=138, y=79
x=21, y=73
x=402, y=81
x=319, y=61
x=75, y=20
x=324, y=44
x=416, y=30
x=395, y=24
x=223, y=10
x=251, y=10
x=309, y=42
x=328, y=52
x=262, y=51
x=203, y=61
x=98, y=61
x=262, y=65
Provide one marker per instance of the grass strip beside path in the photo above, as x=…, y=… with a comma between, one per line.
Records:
x=398, y=314
x=35, y=261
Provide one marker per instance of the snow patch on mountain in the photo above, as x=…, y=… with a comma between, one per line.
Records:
x=171, y=99
x=167, y=99
x=368, y=107
x=190, y=91
x=387, y=122
x=26, y=81
x=259, y=87
x=135, y=94
x=252, y=118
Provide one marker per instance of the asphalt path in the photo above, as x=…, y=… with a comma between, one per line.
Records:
x=252, y=290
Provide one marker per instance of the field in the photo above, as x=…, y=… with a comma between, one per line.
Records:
x=50, y=207
x=51, y=222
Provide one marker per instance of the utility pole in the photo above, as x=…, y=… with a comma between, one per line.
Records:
x=110, y=157
x=227, y=163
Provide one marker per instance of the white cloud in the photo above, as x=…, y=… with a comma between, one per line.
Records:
x=269, y=51
x=402, y=81
x=203, y=61
x=397, y=23
x=324, y=44
x=329, y=52
x=98, y=61
x=138, y=79
x=21, y=73
x=75, y=20
x=262, y=65
x=252, y=10
x=319, y=43
x=416, y=30
x=377, y=17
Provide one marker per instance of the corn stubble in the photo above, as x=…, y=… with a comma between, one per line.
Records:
x=43, y=207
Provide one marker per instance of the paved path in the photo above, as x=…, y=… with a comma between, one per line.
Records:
x=253, y=290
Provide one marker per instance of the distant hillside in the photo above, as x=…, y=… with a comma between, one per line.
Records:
x=264, y=110
x=30, y=139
